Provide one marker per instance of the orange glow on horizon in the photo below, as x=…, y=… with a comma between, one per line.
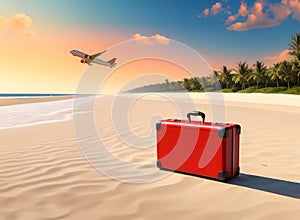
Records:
x=43, y=64
x=143, y=72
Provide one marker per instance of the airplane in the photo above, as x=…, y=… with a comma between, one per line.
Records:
x=90, y=59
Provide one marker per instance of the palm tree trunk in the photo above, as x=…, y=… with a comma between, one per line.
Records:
x=288, y=84
x=277, y=83
x=256, y=84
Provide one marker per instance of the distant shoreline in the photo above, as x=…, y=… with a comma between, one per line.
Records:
x=261, y=98
x=16, y=100
x=32, y=95
x=180, y=87
x=268, y=90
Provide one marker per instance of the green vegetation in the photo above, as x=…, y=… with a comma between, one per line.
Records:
x=272, y=90
x=282, y=77
x=163, y=87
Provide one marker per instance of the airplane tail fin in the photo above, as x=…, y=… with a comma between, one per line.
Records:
x=112, y=62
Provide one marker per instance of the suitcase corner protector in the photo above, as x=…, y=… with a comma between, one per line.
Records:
x=223, y=132
x=223, y=175
x=158, y=125
x=158, y=164
x=238, y=128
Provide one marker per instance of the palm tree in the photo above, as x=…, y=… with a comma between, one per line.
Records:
x=294, y=46
x=195, y=83
x=267, y=77
x=286, y=72
x=225, y=76
x=259, y=72
x=204, y=81
x=241, y=76
x=296, y=70
x=186, y=84
x=274, y=73
x=213, y=80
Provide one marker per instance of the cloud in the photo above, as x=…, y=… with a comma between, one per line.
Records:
x=155, y=39
x=257, y=18
x=295, y=8
x=286, y=7
x=159, y=39
x=253, y=21
x=18, y=24
x=280, y=11
x=283, y=55
x=243, y=9
x=141, y=39
x=262, y=14
x=205, y=12
x=230, y=19
x=216, y=8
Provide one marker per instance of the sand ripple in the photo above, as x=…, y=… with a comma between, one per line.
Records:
x=44, y=175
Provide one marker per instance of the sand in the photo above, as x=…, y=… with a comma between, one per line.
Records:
x=20, y=100
x=44, y=173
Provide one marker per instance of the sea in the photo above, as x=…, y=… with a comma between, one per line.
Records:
x=29, y=114
x=24, y=95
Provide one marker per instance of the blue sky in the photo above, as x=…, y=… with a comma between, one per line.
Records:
x=176, y=19
x=223, y=31
x=180, y=20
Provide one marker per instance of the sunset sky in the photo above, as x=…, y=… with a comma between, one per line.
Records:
x=36, y=36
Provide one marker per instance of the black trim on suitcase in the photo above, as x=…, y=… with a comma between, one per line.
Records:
x=223, y=132
x=233, y=150
x=158, y=164
x=238, y=129
x=223, y=175
x=158, y=125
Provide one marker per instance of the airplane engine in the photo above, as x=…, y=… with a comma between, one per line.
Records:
x=83, y=61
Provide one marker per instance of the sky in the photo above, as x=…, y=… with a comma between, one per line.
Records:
x=36, y=36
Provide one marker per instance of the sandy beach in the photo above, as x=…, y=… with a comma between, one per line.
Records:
x=51, y=164
x=16, y=101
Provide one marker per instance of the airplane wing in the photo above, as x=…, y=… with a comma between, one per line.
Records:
x=97, y=54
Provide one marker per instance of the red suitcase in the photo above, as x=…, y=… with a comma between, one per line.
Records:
x=198, y=147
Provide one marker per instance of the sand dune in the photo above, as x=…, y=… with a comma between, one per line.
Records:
x=45, y=174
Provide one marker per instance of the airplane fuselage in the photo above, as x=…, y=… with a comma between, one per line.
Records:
x=89, y=59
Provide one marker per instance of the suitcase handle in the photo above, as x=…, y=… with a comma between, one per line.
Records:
x=196, y=113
